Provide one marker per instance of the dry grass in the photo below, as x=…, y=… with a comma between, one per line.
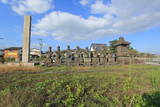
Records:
x=7, y=68
x=81, y=68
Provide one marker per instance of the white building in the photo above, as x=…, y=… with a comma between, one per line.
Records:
x=35, y=52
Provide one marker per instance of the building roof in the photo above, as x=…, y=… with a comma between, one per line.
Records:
x=13, y=48
x=121, y=41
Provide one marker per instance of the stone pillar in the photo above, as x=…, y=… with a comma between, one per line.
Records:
x=26, y=39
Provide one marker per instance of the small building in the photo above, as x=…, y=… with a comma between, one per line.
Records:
x=13, y=54
x=35, y=54
x=97, y=47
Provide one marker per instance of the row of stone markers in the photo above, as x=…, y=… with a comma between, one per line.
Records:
x=77, y=57
x=87, y=57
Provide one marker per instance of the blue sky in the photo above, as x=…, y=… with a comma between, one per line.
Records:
x=82, y=22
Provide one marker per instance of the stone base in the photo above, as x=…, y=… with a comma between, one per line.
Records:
x=123, y=60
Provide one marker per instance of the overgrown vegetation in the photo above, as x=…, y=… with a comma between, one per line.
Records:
x=101, y=86
x=9, y=68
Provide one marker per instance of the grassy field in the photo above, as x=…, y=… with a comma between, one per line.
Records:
x=101, y=86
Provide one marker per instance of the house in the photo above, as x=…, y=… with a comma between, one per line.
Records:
x=13, y=54
x=97, y=47
x=35, y=52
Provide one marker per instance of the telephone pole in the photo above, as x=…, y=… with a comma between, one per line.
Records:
x=40, y=44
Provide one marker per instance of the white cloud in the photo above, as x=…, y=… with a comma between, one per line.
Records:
x=138, y=23
x=68, y=27
x=84, y=2
x=126, y=8
x=29, y=6
x=118, y=17
x=4, y=1
x=100, y=7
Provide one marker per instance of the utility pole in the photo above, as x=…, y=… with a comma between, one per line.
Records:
x=40, y=44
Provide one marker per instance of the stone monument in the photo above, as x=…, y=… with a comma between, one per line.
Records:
x=26, y=39
x=122, y=51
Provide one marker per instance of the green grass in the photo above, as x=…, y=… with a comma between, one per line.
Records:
x=99, y=86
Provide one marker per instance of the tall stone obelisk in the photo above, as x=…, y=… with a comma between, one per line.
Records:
x=26, y=39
